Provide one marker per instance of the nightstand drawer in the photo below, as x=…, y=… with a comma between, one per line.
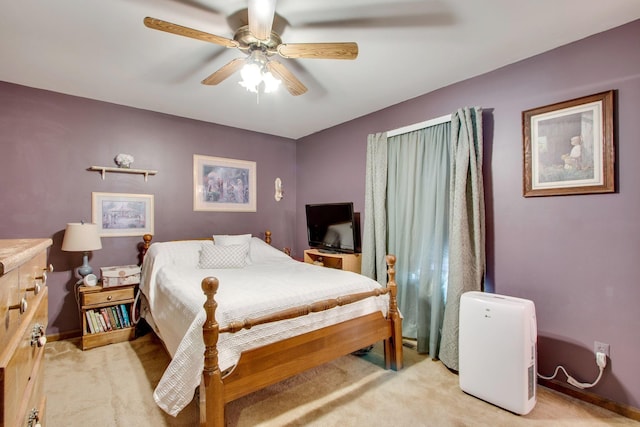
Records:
x=107, y=296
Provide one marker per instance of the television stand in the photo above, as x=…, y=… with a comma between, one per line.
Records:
x=347, y=262
x=327, y=251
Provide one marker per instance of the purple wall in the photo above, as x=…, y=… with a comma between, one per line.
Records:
x=47, y=142
x=576, y=257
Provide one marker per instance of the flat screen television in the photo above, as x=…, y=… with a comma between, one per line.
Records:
x=333, y=227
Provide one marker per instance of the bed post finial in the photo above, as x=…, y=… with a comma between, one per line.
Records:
x=267, y=236
x=213, y=392
x=391, y=283
x=393, y=352
x=144, y=247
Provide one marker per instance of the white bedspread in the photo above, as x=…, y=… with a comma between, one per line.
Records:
x=172, y=286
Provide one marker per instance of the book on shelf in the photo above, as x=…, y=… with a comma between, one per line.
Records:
x=117, y=316
x=90, y=328
x=120, y=318
x=105, y=316
x=113, y=318
x=101, y=323
x=94, y=321
x=125, y=315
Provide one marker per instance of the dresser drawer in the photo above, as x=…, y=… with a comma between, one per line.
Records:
x=9, y=296
x=17, y=380
x=32, y=273
x=33, y=406
x=20, y=287
x=109, y=296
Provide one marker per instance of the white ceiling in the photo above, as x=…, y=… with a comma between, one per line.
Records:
x=101, y=50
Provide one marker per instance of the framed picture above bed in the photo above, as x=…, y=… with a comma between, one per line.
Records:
x=225, y=185
x=120, y=214
x=569, y=147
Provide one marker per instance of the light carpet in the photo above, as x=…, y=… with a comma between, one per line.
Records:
x=113, y=386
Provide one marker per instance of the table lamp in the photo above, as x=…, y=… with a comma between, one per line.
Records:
x=82, y=237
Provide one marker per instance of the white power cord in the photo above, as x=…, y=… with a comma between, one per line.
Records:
x=601, y=361
x=135, y=317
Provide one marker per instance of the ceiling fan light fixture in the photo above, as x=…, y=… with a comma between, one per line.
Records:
x=255, y=76
x=271, y=84
x=251, y=77
x=257, y=37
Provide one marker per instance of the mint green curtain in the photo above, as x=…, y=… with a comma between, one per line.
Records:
x=374, y=230
x=430, y=184
x=467, y=259
x=417, y=216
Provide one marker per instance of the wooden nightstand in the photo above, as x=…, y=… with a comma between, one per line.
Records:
x=97, y=304
x=348, y=262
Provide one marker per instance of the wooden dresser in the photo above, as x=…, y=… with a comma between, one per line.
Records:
x=23, y=310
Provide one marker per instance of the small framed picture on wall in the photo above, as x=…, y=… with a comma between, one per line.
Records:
x=120, y=214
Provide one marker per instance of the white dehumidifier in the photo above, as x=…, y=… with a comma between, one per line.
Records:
x=497, y=342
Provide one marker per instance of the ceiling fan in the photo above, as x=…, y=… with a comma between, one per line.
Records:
x=260, y=43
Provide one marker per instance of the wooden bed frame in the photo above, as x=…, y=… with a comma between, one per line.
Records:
x=261, y=367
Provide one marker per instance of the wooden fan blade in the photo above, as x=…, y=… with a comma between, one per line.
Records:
x=224, y=72
x=319, y=50
x=168, y=27
x=261, y=13
x=294, y=86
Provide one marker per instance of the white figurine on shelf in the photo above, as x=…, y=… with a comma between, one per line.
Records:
x=124, y=160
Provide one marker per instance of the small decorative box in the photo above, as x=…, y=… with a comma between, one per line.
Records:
x=120, y=275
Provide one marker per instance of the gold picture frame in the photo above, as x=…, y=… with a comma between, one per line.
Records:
x=224, y=185
x=569, y=147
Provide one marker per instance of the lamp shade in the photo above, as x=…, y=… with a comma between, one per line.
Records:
x=81, y=237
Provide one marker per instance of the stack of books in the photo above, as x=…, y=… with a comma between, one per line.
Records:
x=107, y=319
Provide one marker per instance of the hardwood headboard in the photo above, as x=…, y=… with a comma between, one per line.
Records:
x=143, y=246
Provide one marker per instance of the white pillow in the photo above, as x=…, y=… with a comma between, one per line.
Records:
x=262, y=252
x=231, y=239
x=230, y=256
x=183, y=253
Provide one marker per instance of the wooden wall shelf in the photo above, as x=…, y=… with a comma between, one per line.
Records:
x=104, y=169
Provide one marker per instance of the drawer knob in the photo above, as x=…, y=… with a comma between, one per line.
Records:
x=22, y=306
x=35, y=288
x=34, y=418
x=38, y=337
x=42, y=277
x=110, y=297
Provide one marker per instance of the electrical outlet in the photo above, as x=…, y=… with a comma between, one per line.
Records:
x=599, y=347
